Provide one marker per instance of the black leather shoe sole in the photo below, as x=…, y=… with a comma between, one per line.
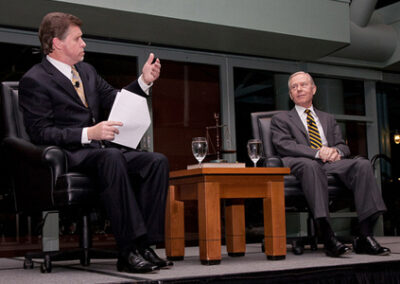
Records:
x=276, y=257
x=122, y=266
x=369, y=246
x=381, y=253
x=175, y=258
x=150, y=255
x=338, y=253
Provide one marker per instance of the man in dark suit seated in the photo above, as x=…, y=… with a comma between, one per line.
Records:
x=311, y=144
x=62, y=99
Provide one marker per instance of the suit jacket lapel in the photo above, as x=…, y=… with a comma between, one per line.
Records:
x=60, y=79
x=323, y=120
x=296, y=120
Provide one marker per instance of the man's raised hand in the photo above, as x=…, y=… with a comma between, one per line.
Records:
x=151, y=71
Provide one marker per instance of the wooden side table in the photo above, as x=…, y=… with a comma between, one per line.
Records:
x=208, y=186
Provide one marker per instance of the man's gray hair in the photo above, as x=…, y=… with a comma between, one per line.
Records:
x=298, y=73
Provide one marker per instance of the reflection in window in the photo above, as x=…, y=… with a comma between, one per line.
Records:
x=16, y=60
x=389, y=124
x=185, y=98
x=254, y=91
x=117, y=70
x=339, y=96
x=355, y=136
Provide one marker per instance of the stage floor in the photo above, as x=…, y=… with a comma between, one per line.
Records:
x=253, y=265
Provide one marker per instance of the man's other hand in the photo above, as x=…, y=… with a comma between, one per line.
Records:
x=151, y=72
x=328, y=154
x=105, y=130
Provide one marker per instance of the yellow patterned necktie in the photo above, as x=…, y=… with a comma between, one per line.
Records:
x=77, y=82
x=313, y=133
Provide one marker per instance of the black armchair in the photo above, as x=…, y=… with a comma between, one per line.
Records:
x=294, y=197
x=41, y=182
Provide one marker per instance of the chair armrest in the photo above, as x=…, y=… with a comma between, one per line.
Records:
x=359, y=157
x=272, y=161
x=47, y=156
x=33, y=171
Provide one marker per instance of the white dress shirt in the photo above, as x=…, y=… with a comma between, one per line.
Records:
x=303, y=116
x=65, y=69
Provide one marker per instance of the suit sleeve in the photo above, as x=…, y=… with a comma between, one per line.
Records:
x=336, y=137
x=284, y=141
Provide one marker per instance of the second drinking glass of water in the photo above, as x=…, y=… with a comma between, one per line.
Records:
x=199, y=148
x=254, y=149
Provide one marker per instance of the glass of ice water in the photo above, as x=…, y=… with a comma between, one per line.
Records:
x=199, y=148
x=254, y=149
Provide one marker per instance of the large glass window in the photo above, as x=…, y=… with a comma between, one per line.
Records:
x=117, y=70
x=254, y=91
x=389, y=126
x=339, y=96
x=184, y=101
x=16, y=60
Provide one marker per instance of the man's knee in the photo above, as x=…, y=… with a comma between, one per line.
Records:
x=160, y=159
x=363, y=165
x=304, y=167
x=309, y=165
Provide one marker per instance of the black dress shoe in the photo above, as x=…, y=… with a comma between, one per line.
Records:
x=150, y=255
x=368, y=245
x=134, y=263
x=334, y=248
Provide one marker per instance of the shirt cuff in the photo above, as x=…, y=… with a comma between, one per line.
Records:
x=317, y=155
x=144, y=86
x=339, y=152
x=85, y=139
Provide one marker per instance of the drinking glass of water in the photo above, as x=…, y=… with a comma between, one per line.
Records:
x=199, y=148
x=254, y=149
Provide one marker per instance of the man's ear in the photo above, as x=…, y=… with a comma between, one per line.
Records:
x=56, y=43
x=314, y=90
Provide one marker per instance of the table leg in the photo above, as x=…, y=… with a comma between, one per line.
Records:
x=235, y=231
x=174, y=226
x=274, y=221
x=209, y=223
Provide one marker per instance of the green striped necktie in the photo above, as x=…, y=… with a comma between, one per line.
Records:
x=313, y=133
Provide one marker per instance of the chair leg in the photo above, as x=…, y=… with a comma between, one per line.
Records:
x=311, y=232
x=85, y=241
x=84, y=253
x=297, y=246
x=87, y=251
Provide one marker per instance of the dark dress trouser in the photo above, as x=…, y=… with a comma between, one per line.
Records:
x=133, y=188
x=356, y=174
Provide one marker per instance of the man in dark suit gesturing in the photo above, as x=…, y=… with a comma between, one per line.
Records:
x=62, y=99
x=311, y=144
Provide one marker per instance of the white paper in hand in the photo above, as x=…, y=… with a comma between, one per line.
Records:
x=132, y=110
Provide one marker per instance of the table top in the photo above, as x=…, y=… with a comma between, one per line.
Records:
x=230, y=171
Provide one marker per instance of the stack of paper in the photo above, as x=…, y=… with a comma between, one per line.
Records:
x=132, y=110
